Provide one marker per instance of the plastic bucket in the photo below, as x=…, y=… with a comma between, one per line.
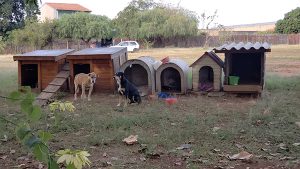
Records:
x=234, y=80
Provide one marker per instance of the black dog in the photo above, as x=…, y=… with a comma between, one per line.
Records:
x=127, y=89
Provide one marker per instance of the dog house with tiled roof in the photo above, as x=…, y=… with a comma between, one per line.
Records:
x=141, y=72
x=207, y=72
x=172, y=76
x=246, y=62
x=38, y=68
x=105, y=62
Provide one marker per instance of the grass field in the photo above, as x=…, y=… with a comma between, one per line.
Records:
x=215, y=126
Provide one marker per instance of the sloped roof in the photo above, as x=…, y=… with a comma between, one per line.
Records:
x=99, y=51
x=68, y=7
x=213, y=56
x=242, y=46
x=44, y=55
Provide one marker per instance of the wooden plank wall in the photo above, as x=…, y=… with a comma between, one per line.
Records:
x=49, y=69
x=105, y=82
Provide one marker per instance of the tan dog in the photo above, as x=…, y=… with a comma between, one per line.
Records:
x=84, y=80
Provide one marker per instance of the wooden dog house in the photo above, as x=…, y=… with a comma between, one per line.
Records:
x=207, y=72
x=105, y=62
x=172, y=76
x=247, y=62
x=141, y=73
x=38, y=68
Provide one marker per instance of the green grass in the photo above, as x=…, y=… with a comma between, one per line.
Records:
x=253, y=123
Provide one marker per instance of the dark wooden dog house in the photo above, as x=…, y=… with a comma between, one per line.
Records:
x=105, y=62
x=246, y=61
x=38, y=68
x=172, y=76
x=141, y=73
x=207, y=72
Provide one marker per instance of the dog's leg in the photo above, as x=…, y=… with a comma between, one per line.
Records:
x=90, y=92
x=76, y=91
x=83, y=91
x=120, y=99
x=125, y=101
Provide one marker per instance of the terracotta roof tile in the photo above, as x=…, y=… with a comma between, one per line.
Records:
x=68, y=7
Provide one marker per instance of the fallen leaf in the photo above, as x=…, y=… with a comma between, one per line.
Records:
x=287, y=158
x=216, y=129
x=12, y=151
x=3, y=157
x=143, y=159
x=178, y=163
x=184, y=146
x=296, y=144
x=239, y=145
x=244, y=155
x=114, y=158
x=19, y=166
x=274, y=154
x=5, y=138
x=41, y=166
x=216, y=150
x=132, y=139
x=265, y=149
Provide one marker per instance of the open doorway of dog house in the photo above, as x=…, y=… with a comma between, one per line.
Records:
x=29, y=75
x=138, y=75
x=170, y=80
x=206, y=79
x=247, y=67
x=81, y=68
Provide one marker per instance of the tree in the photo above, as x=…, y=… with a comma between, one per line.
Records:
x=127, y=20
x=84, y=26
x=149, y=21
x=34, y=34
x=166, y=22
x=13, y=14
x=290, y=23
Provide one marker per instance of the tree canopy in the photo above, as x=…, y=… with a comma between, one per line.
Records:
x=34, y=34
x=13, y=13
x=144, y=19
x=84, y=26
x=290, y=23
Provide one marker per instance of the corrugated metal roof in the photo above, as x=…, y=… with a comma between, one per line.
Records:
x=243, y=46
x=68, y=7
x=181, y=63
x=41, y=53
x=99, y=51
x=213, y=56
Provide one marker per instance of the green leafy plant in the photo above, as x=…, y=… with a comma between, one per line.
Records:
x=74, y=159
x=37, y=140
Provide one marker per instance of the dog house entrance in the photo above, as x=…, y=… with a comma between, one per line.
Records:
x=81, y=68
x=247, y=66
x=29, y=75
x=206, y=79
x=170, y=80
x=137, y=75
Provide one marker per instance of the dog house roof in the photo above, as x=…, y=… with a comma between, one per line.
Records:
x=264, y=47
x=213, y=56
x=181, y=63
x=44, y=55
x=99, y=51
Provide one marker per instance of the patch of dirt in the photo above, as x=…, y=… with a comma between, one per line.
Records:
x=285, y=68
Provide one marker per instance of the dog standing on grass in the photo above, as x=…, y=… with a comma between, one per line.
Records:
x=126, y=89
x=85, y=81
